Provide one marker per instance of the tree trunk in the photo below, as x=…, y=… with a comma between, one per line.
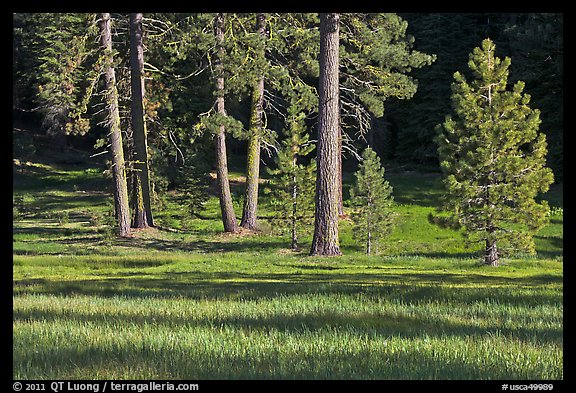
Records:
x=491, y=253
x=294, y=244
x=253, y=156
x=369, y=231
x=226, y=206
x=141, y=219
x=369, y=243
x=325, y=240
x=252, y=176
x=340, y=192
x=118, y=165
x=139, y=216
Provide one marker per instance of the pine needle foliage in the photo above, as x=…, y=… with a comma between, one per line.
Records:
x=493, y=158
x=294, y=180
x=68, y=68
x=371, y=199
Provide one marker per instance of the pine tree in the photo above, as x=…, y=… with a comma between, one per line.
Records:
x=376, y=60
x=115, y=135
x=250, y=208
x=142, y=206
x=193, y=182
x=371, y=198
x=493, y=158
x=68, y=72
x=226, y=206
x=293, y=182
x=325, y=240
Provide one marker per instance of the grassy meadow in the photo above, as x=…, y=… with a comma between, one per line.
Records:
x=185, y=301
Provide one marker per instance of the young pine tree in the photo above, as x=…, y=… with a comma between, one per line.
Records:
x=371, y=198
x=293, y=182
x=493, y=158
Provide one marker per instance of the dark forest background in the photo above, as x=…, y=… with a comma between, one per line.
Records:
x=403, y=136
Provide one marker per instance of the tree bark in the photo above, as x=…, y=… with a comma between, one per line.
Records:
x=226, y=205
x=340, y=179
x=141, y=219
x=118, y=164
x=294, y=243
x=491, y=253
x=325, y=240
x=249, y=211
x=139, y=215
x=369, y=231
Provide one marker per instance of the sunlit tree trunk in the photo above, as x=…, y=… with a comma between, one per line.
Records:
x=144, y=218
x=491, y=253
x=226, y=205
x=340, y=179
x=325, y=240
x=294, y=243
x=253, y=155
x=115, y=136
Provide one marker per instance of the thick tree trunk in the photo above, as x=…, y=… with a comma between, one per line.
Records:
x=226, y=206
x=141, y=219
x=325, y=240
x=491, y=253
x=118, y=165
x=249, y=212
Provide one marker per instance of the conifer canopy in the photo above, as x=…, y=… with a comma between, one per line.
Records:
x=372, y=200
x=493, y=158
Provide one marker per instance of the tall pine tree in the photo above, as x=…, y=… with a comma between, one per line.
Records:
x=142, y=206
x=115, y=134
x=249, y=211
x=226, y=206
x=493, y=158
x=377, y=58
x=325, y=240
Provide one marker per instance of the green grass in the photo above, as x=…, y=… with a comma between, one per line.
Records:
x=197, y=304
x=322, y=335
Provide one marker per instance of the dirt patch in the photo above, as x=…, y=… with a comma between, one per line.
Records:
x=242, y=232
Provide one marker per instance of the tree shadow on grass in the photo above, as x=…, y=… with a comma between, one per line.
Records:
x=257, y=244
x=51, y=204
x=252, y=243
x=554, y=242
x=403, y=287
x=421, y=290
x=447, y=255
x=479, y=255
x=204, y=362
x=55, y=231
x=378, y=326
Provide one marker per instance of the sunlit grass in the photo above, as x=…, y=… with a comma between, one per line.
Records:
x=289, y=336
x=188, y=302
